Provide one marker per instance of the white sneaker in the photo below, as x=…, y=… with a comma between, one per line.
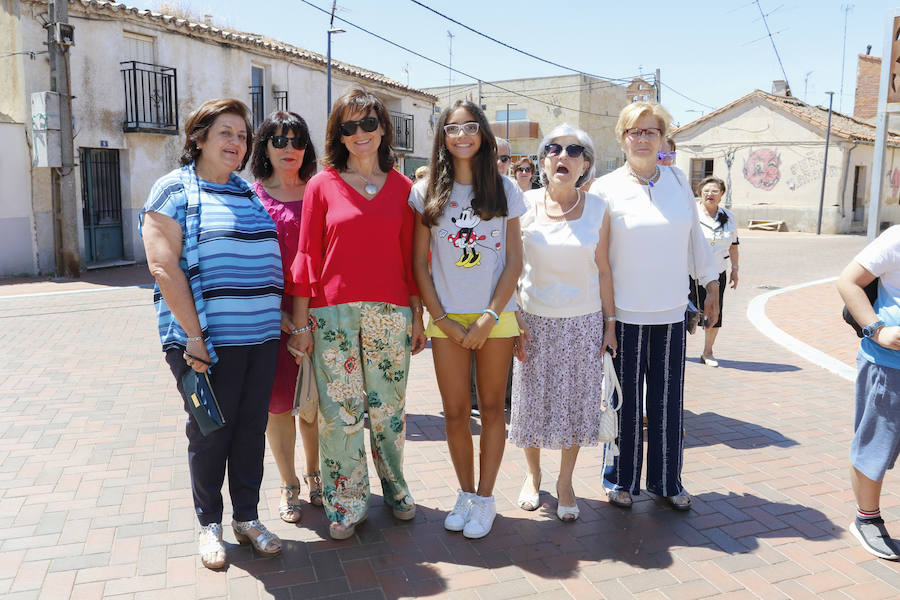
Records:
x=481, y=517
x=456, y=518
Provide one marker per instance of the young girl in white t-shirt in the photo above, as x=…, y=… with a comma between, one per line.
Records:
x=467, y=216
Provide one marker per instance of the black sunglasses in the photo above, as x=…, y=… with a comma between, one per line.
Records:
x=572, y=150
x=369, y=124
x=280, y=141
x=525, y=169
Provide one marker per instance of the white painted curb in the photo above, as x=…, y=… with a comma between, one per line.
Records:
x=756, y=312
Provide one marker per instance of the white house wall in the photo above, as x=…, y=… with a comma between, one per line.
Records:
x=776, y=166
x=206, y=69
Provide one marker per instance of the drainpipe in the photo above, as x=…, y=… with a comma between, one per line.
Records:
x=846, y=176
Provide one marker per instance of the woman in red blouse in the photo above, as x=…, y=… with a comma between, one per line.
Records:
x=359, y=308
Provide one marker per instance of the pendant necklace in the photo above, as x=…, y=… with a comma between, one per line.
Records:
x=565, y=212
x=645, y=180
x=371, y=189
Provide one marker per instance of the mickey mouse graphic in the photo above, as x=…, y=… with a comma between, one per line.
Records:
x=466, y=237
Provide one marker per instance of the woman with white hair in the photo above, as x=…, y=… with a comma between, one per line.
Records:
x=655, y=242
x=564, y=292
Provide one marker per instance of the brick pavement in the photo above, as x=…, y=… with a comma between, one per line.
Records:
x=95, y=501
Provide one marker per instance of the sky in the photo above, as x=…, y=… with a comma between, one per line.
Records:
x=709, y=52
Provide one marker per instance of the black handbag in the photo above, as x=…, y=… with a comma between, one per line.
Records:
x=693, y=314
x=871, y=291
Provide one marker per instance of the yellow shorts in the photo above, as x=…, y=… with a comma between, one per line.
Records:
x=506, y=327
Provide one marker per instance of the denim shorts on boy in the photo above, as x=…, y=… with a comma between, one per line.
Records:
x=876, y=440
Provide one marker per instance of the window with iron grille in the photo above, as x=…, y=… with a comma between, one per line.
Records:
x=403, y=131
x=257, y=104
x=281, y=100
x=700, y=168
x=151, y=98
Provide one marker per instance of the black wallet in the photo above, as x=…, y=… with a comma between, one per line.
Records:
x=201, y=401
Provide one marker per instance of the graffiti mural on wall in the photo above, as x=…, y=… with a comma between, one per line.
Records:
x=761, y=168
x=809, y=169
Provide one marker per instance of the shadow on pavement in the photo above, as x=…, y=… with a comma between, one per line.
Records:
x=420, y=558
x=756, y=367
x=709, y=429
x=429, y=428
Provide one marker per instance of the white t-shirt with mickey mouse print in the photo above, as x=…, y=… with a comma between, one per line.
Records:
x=468, y=254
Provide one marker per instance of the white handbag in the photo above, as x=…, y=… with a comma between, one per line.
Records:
x=609, y=418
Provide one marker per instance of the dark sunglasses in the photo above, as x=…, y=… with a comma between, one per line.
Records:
x=504, y=158
x=369, y=124
x=280, y=141
x=525, y=169
x=572, y=150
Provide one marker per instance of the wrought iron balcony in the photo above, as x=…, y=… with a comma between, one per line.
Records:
x=151, y=98
x=257, y=109
x=403, y=131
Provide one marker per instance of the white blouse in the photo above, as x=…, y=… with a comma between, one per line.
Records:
x=720, y=237
x=560, y=277
x=655, y=242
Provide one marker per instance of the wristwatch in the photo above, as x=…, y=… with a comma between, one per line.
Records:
x=869, y=330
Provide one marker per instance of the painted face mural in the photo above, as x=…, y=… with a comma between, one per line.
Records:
x=761, y=168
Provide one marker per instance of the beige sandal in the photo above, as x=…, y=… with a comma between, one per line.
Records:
x=265, y=543
x=290, y=511
x=342, y=531
x=315, y=487
x=210, y=546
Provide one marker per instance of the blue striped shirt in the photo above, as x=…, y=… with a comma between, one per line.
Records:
x=240, y=278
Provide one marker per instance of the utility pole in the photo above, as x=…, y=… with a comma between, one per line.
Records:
x=846, y=8
x=450, y=36
x=479, y=95
x=825, y=163
x=62, y=180
x=332, y=30
x=657, y=86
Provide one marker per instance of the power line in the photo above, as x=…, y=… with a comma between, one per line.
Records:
x=440, y=64
x=671, y=89
x=513, y=48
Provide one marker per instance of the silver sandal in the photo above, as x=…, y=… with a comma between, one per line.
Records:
x=290, y=511
x=262, y=543
x=209, y=543
x=315, y=487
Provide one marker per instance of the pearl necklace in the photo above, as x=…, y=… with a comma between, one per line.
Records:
x=371, y=189
x=565, y=212
x=645, y=180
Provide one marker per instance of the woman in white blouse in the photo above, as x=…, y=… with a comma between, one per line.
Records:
x=567, y=316
x=655, y=242
x=720, y=230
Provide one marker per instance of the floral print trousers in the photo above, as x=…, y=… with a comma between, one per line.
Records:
x=361, y=357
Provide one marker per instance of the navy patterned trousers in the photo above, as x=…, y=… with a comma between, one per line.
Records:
x=651, y=355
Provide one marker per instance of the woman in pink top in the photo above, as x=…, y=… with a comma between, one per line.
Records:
x=359, y=308
x=283, y=161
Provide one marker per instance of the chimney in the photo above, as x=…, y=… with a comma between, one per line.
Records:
x=208, y=19
x=780, y=88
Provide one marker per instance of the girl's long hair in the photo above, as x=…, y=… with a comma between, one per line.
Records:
x=490, y=197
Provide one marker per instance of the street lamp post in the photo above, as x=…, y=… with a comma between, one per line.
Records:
x=330, y=31
x=825, y=164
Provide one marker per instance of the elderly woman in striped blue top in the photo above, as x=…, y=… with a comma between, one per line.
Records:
x=213, y=250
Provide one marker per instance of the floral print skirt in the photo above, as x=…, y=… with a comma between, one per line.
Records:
x=556, y=392
x=361, y=356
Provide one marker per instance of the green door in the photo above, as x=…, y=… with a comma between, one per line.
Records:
x=101, y=194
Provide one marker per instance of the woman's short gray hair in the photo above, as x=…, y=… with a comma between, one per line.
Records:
x=583, y=138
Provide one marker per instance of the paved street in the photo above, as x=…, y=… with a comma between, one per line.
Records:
x=95, y=499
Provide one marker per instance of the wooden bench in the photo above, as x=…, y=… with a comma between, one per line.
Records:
x=764, y=225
